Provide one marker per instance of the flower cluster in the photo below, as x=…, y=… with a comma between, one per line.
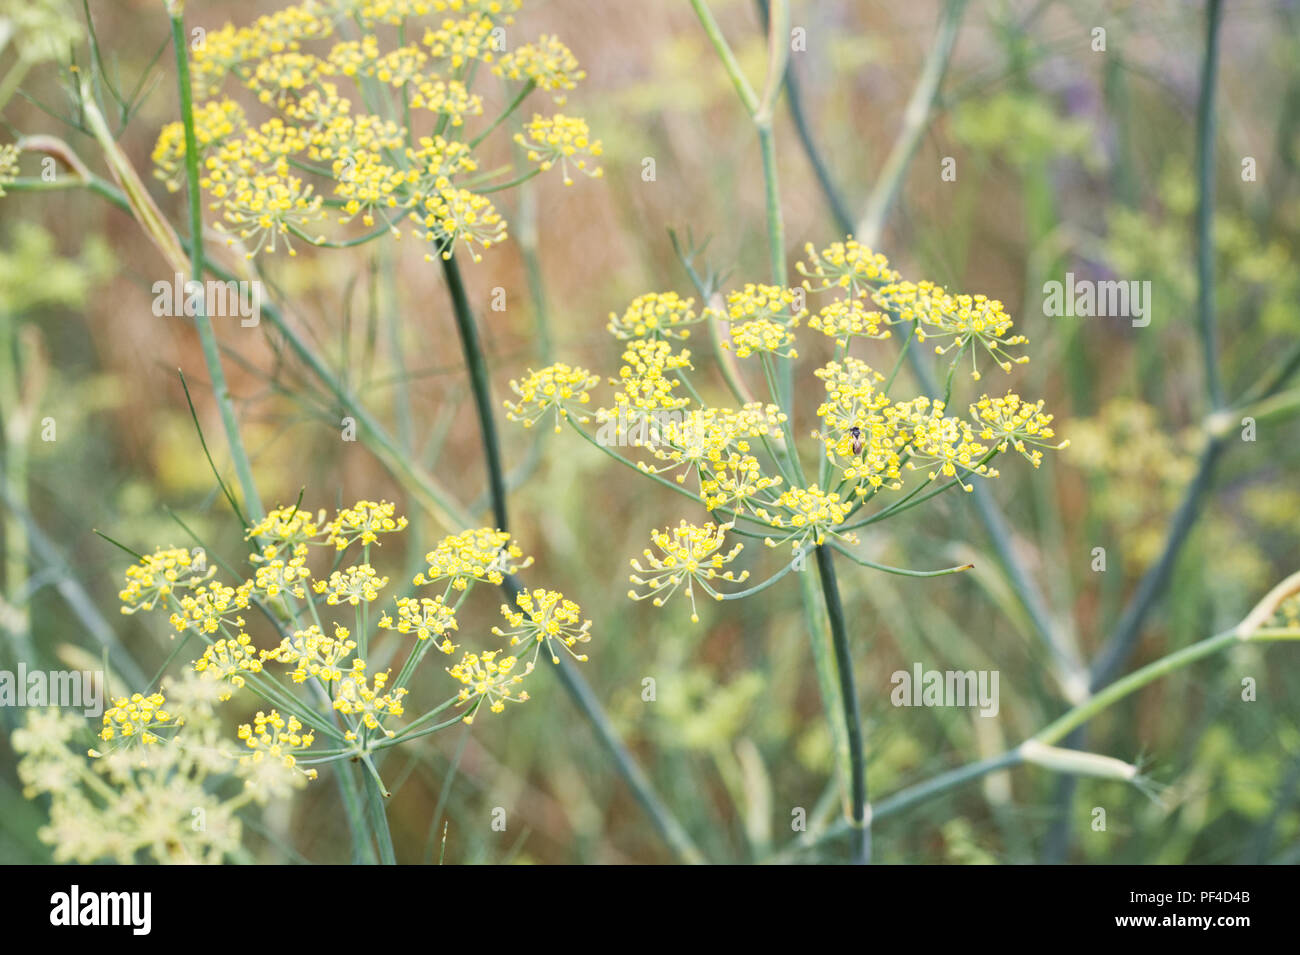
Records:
x=655, y=315
x=352, y=708
x=545, y=617
x=743, y=465
x=557, y=388
x=137, y=799
x=314, y=154
x=687, y=554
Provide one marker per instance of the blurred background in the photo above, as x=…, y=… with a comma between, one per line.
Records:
x=1068, y=159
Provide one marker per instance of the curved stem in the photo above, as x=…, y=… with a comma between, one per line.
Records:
x=901, y=571
x=1073, y=719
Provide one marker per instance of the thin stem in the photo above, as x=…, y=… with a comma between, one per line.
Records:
x=915, y=117
x=207, y=338
x=513, y=105
x=729, y=62
x=794, y=102
x=478, y=376
x=861, y=828
x=1128, y=628
x=375, y=794
x=901, y=571
x=1205, y=204
x=1077, y=715
x=580, y=691
x=740, y=594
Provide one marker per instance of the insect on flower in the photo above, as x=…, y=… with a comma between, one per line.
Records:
x=856, y=433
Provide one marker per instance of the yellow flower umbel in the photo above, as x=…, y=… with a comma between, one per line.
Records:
x=133, y=802
x=808, y=514
x=860, y=432
x=155, y=577
x=655, y=315
x=763, y=319
x=644, y=377
x=1011, y=420
x=762, y=335
x=844, y=319
x=316, y=681
x=744, y=467
x=428, y=619
x=211, y=607
x=847, y=265
x=285, y=529
x=227, y=661
x=545, y=617
x=272, y=737
x=478, y=555
x=557, y=388
x=354, y=119
x=561, y=139
x=369, y=703
x=135, y=718
x=688, y=554
x=547, y=63
x=942, y=440
x=487, y=678
x=276, y=577
x=451, y=214
x=351, y=585
x=314, y=654
x=364, y=522
x=971, y=321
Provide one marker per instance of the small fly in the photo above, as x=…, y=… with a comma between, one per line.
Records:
x=856, y=434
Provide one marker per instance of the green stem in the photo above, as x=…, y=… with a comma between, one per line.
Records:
x=478, y=376
x=860, y=827
x=915, y=118
x=901, y=571
x=1072, y=719
x=514, y=104
x=376, y=814
x=1205, y=204
x=362, y=848
x=729, y=62
x=207, y=337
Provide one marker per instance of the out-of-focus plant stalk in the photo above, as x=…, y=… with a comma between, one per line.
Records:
x=915, y=118
x=1115, y=654
x=1205, y=203
x=207, y=337
x=21, y=381
x=1038, y=748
